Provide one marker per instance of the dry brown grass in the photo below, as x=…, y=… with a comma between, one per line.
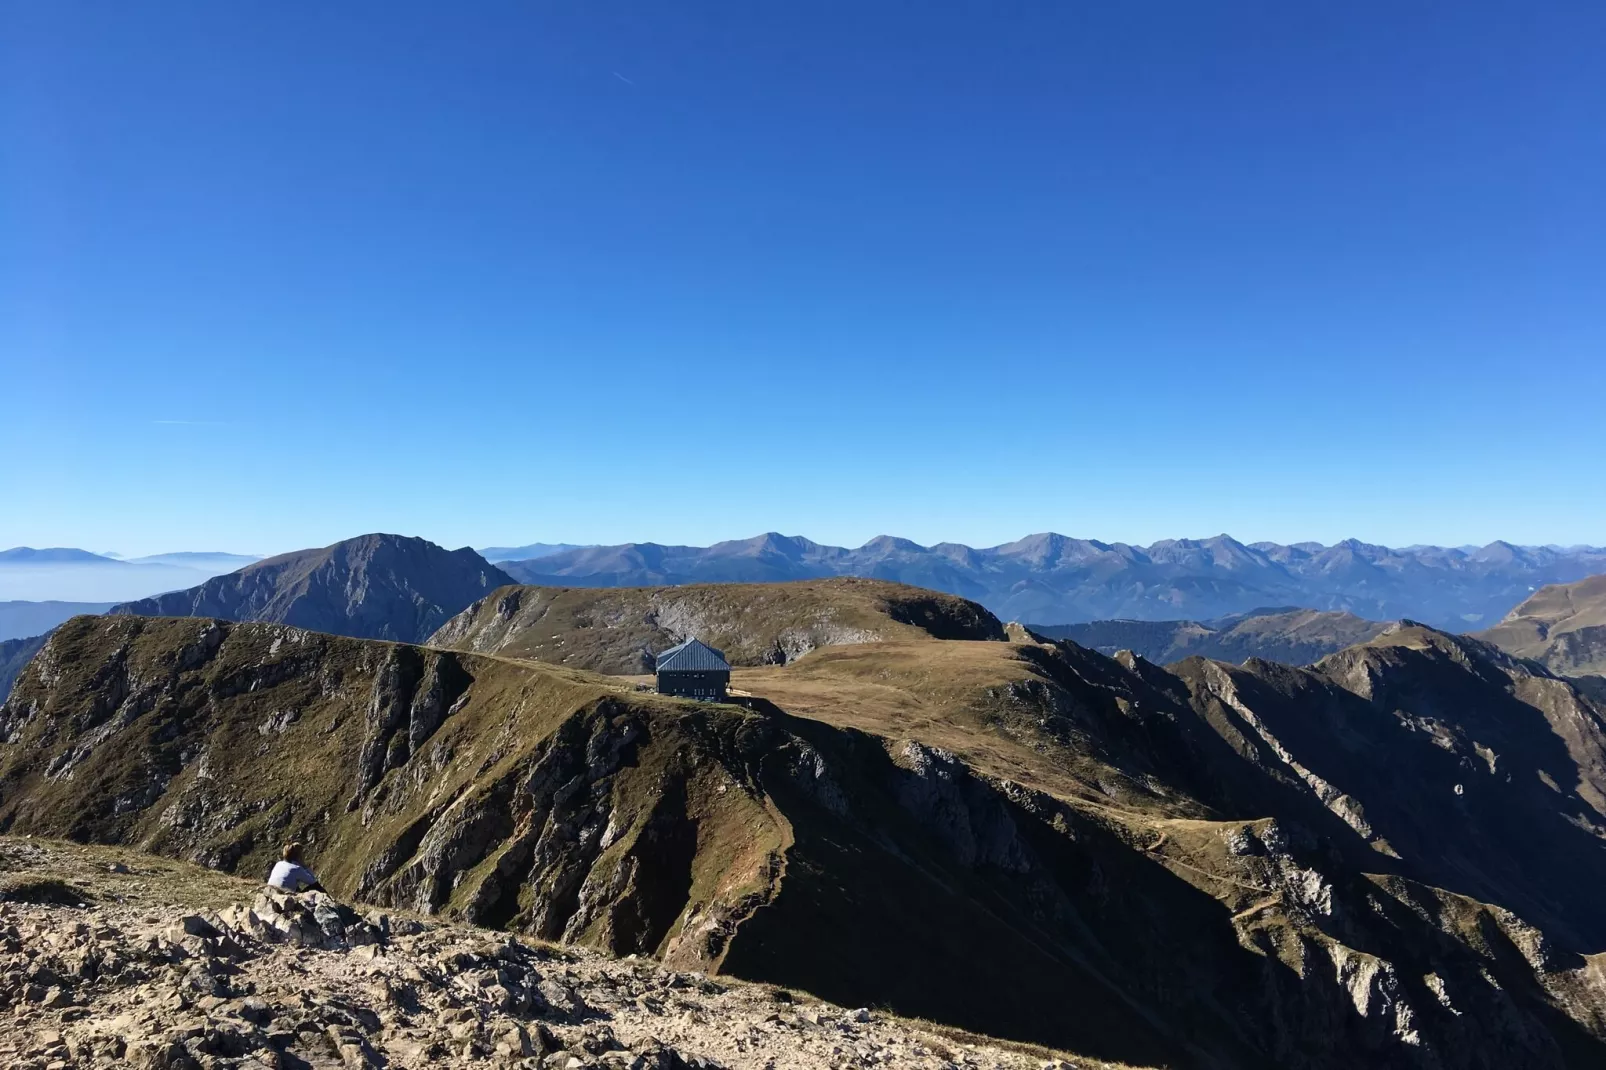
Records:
x=616, y=630
x=989, y=703
x=144, y=879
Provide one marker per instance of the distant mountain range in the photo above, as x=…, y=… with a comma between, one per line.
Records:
x=19, y=620
x=527, y=553
x=1054, y=579
x=371, y=587
x=1044, y=579
x=50, y=555
x=202, y=561
x=1290, y=635
x=74, y=575
x=405, y=589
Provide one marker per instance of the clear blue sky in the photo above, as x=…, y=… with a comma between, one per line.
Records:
x=276, y=274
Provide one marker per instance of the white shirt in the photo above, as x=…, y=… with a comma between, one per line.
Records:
x=291, y=877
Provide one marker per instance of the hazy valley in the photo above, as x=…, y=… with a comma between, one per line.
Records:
x=72, y=575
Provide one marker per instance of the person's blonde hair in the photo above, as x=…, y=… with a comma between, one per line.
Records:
x=292, y=852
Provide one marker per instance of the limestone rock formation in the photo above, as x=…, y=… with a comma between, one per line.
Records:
x=130, y=978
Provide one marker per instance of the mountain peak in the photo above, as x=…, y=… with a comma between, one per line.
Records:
x=890, y=543
x=375, y=586
x=1050, y=548
x=769, y=543
x=52, y=555
x=1499, y=552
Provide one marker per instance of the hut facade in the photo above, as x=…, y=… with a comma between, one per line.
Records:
x=694, y=670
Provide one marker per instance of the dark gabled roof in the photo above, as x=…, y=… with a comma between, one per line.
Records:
x=693, y=656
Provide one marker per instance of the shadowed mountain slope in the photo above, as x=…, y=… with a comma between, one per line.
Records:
x=1482, y=773
x=1053, y=579
x=618, y=630
x=1292, y=636
x=14, y=654
x=1563, y=625
x=371, y=587
x=1389, y=859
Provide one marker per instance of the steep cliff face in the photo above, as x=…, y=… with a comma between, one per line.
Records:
x=1478, y=772
x=424, y=778
x=618, y=630
x=371, y=587
x=1030, y=839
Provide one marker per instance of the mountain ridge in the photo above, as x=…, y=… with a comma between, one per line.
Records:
x=1387, y=859
x=1283, y=633
x=1051, y=579
x=53, y=555
x=1288, y=634
x=376, y=586
x=1561, y=625
x=620, y=629
x=527, y=552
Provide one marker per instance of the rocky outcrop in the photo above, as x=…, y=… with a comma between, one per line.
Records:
x=282, y=980
x=414, y=691
x=970, y=815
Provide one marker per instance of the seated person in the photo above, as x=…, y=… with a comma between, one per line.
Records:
x=289, y=875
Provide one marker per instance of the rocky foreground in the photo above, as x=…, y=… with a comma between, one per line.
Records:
x=110, y=958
